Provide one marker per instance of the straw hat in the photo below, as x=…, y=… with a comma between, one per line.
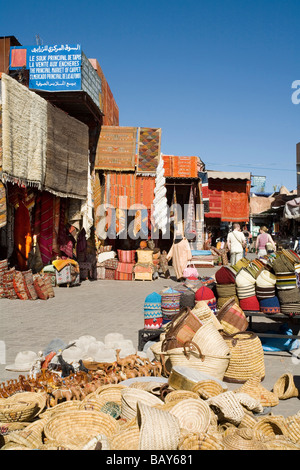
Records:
x=24, y=361
x=159, y=429
x=193, y=414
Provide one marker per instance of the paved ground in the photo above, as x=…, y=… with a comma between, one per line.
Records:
x=100, y=307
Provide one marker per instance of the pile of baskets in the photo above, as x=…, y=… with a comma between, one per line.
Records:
x=151, y=415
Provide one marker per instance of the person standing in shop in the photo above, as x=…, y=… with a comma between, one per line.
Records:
x=236, y=241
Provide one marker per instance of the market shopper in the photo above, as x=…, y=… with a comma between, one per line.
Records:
x=236, y=242
x=181, y=254
x=264, y=242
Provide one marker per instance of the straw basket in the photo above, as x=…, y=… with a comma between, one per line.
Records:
x=281, y=443
x=31, y=436
x=210, y=340
x=246, y=357
x=191, y=356
x=232, y=317
x=254, y=388
x=200, y=441
x=204, y=313
x=180, y=395
x=79, y=427
x=18, y=411
x=293, y=427
x=271, y=426
x=180, y=329
x=61, y=407
x=40, y=399
x=126, y=439
x=242, y=439
x=285, y=387
x=193, y=414
x=130, y=398
x=227, y=407
x=208, y=389
x=101, y=404
x=159, y=430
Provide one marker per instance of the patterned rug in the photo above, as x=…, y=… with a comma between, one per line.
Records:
x=67, y=155
x=116, y=148
x=24, y=133
x=149, y=145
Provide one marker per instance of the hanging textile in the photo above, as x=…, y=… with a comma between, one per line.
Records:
x=160, y=203
x=190, y=226
x=24, y=128
x=178, y=223
x=87, y=206
x=56, y=217
x=46, y=232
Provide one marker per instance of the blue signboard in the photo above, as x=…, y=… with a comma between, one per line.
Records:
x=51, y=68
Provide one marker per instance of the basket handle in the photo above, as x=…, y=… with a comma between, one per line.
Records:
x=192, y=347
x=182, y=315
x=235, y=340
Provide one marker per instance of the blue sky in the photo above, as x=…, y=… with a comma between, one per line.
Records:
x=215, y=75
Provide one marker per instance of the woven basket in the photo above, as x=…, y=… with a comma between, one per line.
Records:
x=242, y=439
x=248, y=421
x=191, y=356
x=180, y=329
x=232, y=318
x=40, y=399
x=159, y=430
x=254, y=388
x=193, y=414
x=246, y=357
x=10, y=412
x=102, y=404
x=227, y=407
x=272, y=426
x=281, y=443
x=293, y=427
x=126, y=439
x=208, y=389
x=285, y=387
x=31, y=436
x=204, y=313
x=79, y=427
x=180, y=395
x=61, y=407
x=130, y=398
x=200, y=441
x=210, y=340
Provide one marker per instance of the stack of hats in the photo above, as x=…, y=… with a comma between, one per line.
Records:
x=242, y=263
x=225, y=275
x=170, y=304
x=265, y=292
x=245, y=285
x=286, y=282
x=206, y=294
x=152, y=311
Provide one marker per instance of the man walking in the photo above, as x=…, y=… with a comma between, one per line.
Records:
x=236, y=242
